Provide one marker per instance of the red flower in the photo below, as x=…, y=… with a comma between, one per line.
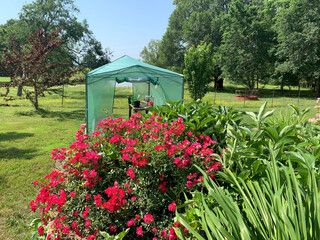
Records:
x=35, y=183
x=66, y=230
x=130, y=173
x=74, y=224
x=87, y=223
x=172, y=207
x=133, y=199
x=40, y=230
x=148, y=218
x=131, y=222
x=72, y=194
x=177, y=224
x=139, y=231
x=163, y=233
x=113, y=228
x=91, y=237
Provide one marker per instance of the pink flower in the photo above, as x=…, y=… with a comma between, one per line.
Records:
x=177, y=224
x=75, y=214
x=72, y=194
x=40, y=230
x=87, y=223
x=113, y=228
x=163, y=233
x=133, y=199
x=74, y=224
x=131, y=222
x=172, y=207
x=91, y=237
x=148, y=218
x=125, y=156
x=66, y=229
x=35, y=183
x=139, y=231
x=88, y=196
x=130, y=173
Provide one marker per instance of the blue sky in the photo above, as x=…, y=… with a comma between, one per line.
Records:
x=124, y=26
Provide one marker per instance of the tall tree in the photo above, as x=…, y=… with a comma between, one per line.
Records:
x=298, y=29
x=246, y=45
x=31, y=65
x=199, y=66
x=150, y=53
x=192, y=22
x=49, y=15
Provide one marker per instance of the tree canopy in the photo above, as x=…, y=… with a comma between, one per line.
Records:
x=80, y=46
x=254, y=41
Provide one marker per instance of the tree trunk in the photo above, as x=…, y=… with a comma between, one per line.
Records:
x=35, y=98
x=218, y=84
x=281, y=87
x=318, y=87
x=19, y=90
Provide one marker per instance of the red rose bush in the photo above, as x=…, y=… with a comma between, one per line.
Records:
x=129, y=176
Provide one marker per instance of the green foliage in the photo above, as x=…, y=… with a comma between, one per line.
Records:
x=33, y=228
x=150, y=54
x=199, y=66
x=201, y=118
x=81, y=47
x=269, y=186
x=247, y=147
x=276, y=207
x=247, y=40
x=298, y=25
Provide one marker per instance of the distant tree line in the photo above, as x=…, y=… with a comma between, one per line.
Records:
x=254, y=41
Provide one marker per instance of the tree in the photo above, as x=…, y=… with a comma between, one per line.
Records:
x=150, y=54
x=298, y=30
x=246, y=44
x=50, y=15
x=199, y=66
x=31, y=65
x=192, y=22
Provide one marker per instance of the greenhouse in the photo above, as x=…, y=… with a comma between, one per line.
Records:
x=147, y=81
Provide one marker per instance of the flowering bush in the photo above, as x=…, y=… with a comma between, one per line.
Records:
x=127, y=178
x=317, y=119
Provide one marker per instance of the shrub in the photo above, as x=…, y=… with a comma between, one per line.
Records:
x=125, y=179
x=275, y=207
x=201, y=118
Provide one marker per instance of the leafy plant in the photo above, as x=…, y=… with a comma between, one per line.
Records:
x=247, y=146
x=199, y=66
x=201, y=118
x=129, y=174
x=275, y=207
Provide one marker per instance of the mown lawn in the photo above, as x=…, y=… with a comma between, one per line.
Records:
x=27, y=138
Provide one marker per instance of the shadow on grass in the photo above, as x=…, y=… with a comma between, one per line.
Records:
x=9, y=136
x=61, y=115
x=18, y=153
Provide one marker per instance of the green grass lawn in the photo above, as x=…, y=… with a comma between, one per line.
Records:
x=27, y=138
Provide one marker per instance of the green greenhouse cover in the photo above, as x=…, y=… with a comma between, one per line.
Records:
x=146, y=79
